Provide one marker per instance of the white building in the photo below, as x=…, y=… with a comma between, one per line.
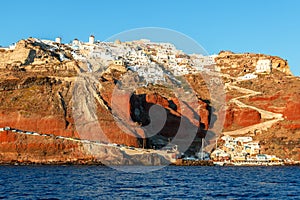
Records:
x=172, y=58
x=12, y=46
x=75, y=42
x=181, y=60
x=247, y=77
x=252, y=148
x=91, y=39
x=162, y=57
x=219, y=153
x=227, y=138
x=264, y=66
x=77, y=56
x=58, y=40
x=244, y=139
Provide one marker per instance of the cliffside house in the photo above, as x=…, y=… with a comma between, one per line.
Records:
x=264, y=66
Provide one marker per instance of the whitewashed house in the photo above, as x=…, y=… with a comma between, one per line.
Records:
x=75, y=42
x=12, y=46
x=77, y=56
x=227, y=138
x=247, y=77
x=263, y=66
x=142, y=58
x=172, y=58
x=162, y=57
x=252, y=148
x=58, y=40
x=133, y=68
x=244, y=139
x=219, y=154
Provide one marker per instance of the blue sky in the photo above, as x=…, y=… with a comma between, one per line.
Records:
x=271, y=27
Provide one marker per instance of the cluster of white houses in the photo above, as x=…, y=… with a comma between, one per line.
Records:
x=241, y=149
x=143, y=53
x=136, y=52
x=139, y=53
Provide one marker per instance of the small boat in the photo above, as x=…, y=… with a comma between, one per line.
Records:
x=219, y=163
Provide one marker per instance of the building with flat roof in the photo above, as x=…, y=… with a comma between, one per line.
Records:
x=263, y=66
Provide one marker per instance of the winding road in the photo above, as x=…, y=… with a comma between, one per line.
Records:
x=271, y=116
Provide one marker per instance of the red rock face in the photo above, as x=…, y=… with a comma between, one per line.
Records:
x=124, y=105
x=44, y=105
x=229, y=118
x=292, y=111
x=36, y=123
x=247, y=117
x=241, y=116
x=5, y=137
x=157, y=99
x=22, y=148
x=116, y=133
x=290, y=107
x=121, y=105
x=203, y=112
x=292, y=126
x=265, y=98
x=181, y=121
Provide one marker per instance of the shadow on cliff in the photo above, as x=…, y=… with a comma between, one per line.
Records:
x=169, y=125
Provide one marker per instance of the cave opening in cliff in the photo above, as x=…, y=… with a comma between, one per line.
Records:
x=158, y=128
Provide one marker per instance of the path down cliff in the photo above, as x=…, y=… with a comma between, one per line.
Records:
x=271, y=116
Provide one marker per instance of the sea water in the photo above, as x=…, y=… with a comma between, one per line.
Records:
x=172, y=182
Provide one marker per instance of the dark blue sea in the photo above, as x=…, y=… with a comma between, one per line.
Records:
x=98, y=182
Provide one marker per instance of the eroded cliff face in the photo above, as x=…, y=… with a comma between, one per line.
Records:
x=36, y=149
x=36, y=102
x=37, y=95
x=134, y=108
x=240, y=117
x=35, y=56
x=18, y=148
x=280, y=94
x=38, y=85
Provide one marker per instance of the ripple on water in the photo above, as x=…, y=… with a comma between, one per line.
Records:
x=91, y=182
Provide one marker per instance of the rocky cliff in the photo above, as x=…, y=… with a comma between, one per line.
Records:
x=265, y=107
x=237, y=64
x=38, y=83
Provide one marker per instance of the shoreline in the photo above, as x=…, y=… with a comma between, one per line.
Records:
x=177, y=164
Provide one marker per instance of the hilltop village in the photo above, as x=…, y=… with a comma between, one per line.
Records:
x=137, y=55
x=155, y=63
x=141, y=56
